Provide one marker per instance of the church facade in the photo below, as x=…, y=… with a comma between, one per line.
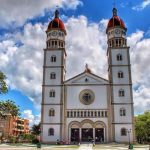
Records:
x=87, y=107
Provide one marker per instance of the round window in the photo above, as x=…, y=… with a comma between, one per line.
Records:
x=86, y=97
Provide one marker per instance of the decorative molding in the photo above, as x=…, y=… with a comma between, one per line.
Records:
x=122, y=123
x=51, y=123
x=51, y=104
x=121, y=103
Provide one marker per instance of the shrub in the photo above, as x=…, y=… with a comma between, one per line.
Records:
x=35, y=141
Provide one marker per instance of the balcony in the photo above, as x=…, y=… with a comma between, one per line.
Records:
x=19, y=124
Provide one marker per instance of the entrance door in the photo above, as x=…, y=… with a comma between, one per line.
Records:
x=87, y=134
x=99, y=135
x=75, y=135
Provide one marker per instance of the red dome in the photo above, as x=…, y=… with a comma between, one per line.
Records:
x=115, y=21
x=56, y=23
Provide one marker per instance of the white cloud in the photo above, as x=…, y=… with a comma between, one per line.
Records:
x=86, y=43
x=27, y=114
x=142, y=5
x=23, y=65
x=140, y=55
x=16, y=12
x=142, y=99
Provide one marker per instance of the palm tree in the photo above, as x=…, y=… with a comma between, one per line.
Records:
x=35, y=130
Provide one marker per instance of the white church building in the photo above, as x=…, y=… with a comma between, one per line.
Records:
x=87, y=107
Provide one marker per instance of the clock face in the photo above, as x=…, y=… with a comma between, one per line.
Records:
x=54, y=33
x=117, y=31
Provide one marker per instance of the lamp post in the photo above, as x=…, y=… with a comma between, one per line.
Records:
x=129, y=131
x=130, y=145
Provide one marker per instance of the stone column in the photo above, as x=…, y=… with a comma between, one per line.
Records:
x=80, y=134
x=94, y=134
x=104, y=135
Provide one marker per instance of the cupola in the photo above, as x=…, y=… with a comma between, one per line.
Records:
x=116, y=31
x=56, y=23
x=56, y=33
x=115, y=21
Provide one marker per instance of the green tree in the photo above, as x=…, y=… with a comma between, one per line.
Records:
x=35, y=130
x=7, y=108
x=3, y=85
x=26, y=137
x=142, y=127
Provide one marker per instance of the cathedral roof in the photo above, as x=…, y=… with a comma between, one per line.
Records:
x=88, y=78
x=115, y=21
x=56, y=23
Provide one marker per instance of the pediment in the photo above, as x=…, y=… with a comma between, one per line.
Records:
x=87, y=78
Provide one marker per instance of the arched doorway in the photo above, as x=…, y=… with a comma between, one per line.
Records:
x=86, y=131
x=74, y=131
x=100, y=132
x=75, y=135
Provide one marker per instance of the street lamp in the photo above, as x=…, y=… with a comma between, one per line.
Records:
x=129, y=131
x=130, y=145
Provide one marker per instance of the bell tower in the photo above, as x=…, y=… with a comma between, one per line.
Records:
x=119, y=72
x=54, y=70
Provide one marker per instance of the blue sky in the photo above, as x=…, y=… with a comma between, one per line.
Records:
x=22, y=38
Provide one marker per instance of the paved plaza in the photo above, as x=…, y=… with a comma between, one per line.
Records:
x=74, y=147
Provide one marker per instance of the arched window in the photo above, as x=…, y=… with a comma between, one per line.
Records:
x=119, y=42
x=123, y=132
x=53, y=43
x=53, y=58
x=122, y=112
x=61, y=44
x=112, y=43
x=51, y=132
x=120, y=74
x=116, y=42
x=51, y=112
x=53, y=75
x=119, y=57
x=121, y=93
x=52, y=93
